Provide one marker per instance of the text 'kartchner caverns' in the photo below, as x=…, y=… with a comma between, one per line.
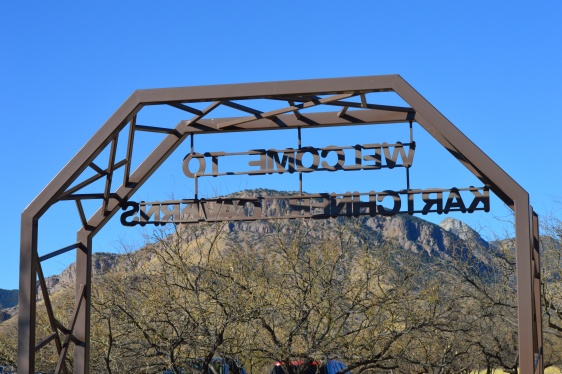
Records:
x=306, y=206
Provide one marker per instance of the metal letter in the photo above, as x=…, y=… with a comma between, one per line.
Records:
x=202, y=164
x=429, y=202
x=261, y=163
x=315, y=159
x=451, y=203
x=341, y=158
x=397, y=203
x=484, y=198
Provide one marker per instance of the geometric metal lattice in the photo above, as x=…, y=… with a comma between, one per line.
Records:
x=336, y=102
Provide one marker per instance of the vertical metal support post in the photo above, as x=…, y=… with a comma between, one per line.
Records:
x=27, y=295
x=537, y=338
x=196, y=179
x=83, y=277
x=407, y=167
x=524, y=249
x=299, y=147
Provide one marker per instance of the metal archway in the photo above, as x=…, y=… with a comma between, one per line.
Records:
x=295, y=96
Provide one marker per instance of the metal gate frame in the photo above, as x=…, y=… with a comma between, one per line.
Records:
x=298, y=95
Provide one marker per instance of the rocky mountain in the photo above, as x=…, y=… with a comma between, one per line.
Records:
x=463, y=231
x=8, y=303
x=101, y=262
x=409, y=232
x=8, y=298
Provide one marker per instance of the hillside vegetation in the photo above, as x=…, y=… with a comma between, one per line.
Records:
x=8, y=298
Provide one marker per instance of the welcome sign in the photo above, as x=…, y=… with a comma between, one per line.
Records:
x=308, y=159
x=366, y=157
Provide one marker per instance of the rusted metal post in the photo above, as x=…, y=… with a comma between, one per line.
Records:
x=524, y=283
x=27, y=295
x=537, y=336
x=83, y=277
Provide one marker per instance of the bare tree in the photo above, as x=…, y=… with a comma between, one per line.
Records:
x=175, y=305
x=8, y=345
x=313, y=291
x=551, y=267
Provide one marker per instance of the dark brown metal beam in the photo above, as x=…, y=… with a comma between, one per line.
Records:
x=292, y=108
x=162, y=130
x=27, y=292
x=92, y=179
x=130, y=143
x=73, y=323
x=186, y=108
x=81, y=323
x=58, y=252
x=51, y=316
x=537, y=300
x=266, y=90
x=290, y=121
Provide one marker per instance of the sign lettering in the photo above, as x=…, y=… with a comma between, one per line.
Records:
x=321, y=205
x=306, y=159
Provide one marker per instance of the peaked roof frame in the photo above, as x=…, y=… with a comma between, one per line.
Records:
x=298, y=95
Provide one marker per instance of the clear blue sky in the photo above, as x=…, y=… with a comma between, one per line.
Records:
x=493, y=68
